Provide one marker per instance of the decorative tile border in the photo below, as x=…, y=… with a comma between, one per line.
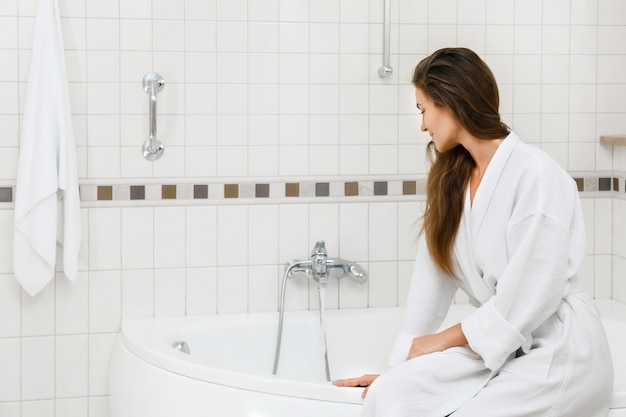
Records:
x=276, y=190
x=265, y=190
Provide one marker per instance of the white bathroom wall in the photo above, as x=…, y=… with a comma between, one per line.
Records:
x=276, y=92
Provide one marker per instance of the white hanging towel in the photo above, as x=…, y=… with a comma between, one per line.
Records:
x=47, y=202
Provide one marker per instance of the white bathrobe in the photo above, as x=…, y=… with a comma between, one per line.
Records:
x=536, y=346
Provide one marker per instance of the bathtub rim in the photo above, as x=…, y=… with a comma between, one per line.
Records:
x=138, y=339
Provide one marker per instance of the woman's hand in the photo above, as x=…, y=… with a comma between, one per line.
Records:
x=437, y=342
x=361, y=381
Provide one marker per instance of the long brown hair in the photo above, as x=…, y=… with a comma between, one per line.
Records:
x=459, y=81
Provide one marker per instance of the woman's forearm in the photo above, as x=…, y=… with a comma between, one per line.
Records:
x=452, y=336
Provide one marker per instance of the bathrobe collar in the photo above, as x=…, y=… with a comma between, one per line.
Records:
x=482, y=199
x=472, y=219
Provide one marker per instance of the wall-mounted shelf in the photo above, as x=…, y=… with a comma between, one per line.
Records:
x=619, y=140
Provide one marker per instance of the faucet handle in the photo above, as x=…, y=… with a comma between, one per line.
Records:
x=319, y=249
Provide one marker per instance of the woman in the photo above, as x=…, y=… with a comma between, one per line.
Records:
x=503, y=222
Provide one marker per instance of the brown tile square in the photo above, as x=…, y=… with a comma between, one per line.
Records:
x=380, y=188
x=105, y=192
x=580, y=183
x=168, y=192
x=351, y=188
x=200, y=191
x=6, y=194
x=262, y=190
x=409, y=187
x=231, y=190
x=604, y=184
x=137, y=192
x=615, y=184
x=292, y=189
x=322, y=189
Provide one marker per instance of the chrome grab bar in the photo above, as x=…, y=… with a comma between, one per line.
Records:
x=152, y=84
x=386, y=70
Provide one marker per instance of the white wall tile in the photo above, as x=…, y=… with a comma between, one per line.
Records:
x=201, y=287
x=528, y=12
x=37, y=372
x=96, y=8
x=38, y=312
x=135, y=9
x=169, y=292
x=500, y=39
x=555, y=39
x=409, y=226
x=324, y=38
x=473, y=37
x=619, y=229
x=72, y=305
x=38, y=408
x=263, y=288
x=527, y=69
x=11, y=373
x=602, y=226
x=383, y=231
x=99, y=406
x=10, y=309
x=383, y=159
x=619, y=283
x=611, y=12
x=169, y=237
x=105, y=301
x=556, y=12
x=10, y=409
x=231, y=9
x=137, y=237
x=168, y=35
x=263, y=236
x=71, y=407
x=103, y=34
x=6, y=244
x=71, y=366
x=232, y=290
x=105, y=238
x=201, y=236
x=500, y=12
x=383, y=284
x=262, y=10
x=232, y=235
x=405, y=274
x=137, y=293
x=164, y=9
x=100, y=350
x=353, y=231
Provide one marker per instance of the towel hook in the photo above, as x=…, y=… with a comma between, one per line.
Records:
x=152, y=84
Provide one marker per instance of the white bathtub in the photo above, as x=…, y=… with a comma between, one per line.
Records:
x=229, y=370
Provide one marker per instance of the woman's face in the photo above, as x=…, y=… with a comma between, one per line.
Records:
x=440, y=124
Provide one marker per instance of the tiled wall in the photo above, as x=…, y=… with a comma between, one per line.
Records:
x=265, y=100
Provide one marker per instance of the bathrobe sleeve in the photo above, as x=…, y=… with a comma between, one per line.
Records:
x=430, y=295
x=545, y=242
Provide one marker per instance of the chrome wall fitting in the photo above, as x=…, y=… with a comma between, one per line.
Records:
x=386, y=70
x=152, y=84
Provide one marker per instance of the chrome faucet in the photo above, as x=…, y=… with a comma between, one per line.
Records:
x=321, y=268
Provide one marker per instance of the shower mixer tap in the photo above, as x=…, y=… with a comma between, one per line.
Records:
x=320, y=267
